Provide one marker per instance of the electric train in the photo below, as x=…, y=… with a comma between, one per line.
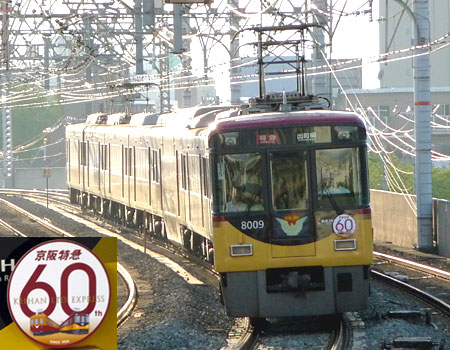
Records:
x=277, y=198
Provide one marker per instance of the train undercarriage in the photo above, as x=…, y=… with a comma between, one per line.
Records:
x=143, y=222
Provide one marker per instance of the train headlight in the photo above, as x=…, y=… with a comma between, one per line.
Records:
x=241, y=250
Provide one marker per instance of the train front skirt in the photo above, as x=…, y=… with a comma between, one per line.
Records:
x=282, y=293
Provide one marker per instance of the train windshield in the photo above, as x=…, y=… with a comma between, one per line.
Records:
x=289, y=180
x=239, y=179
x=339, y=182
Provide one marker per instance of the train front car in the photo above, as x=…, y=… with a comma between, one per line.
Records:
x=291, y=214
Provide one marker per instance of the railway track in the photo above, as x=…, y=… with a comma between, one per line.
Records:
x=426, y=270
x=248, y=337
x=244, y=335
x=60, y=207
x=424, y=277
x=331, y=333
x=127, y=309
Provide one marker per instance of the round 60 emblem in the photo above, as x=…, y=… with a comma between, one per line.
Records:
x=344, y=225
x=59, y=293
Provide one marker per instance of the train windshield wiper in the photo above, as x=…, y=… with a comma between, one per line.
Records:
x=255, y=193
x=330, y=196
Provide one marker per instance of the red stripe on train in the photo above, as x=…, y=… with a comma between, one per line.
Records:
x=364, y=211
x=219, y=218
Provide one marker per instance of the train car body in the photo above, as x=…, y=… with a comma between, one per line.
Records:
x=41, y=324
x=77, y=323
x=278, y=201
x=302, y=242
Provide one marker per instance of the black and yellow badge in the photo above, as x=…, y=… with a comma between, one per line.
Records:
x=58, y=293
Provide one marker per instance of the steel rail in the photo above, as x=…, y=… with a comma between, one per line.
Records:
x=249, y=338
x=11, y=229
x=127, y=308
x=340, y=336
x=414, y=265
x=416, y=292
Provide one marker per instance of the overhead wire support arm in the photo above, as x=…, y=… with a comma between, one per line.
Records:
x=298, y=65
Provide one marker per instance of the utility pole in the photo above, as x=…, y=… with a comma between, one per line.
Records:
x=319, y=81
x=8, y=170
x=88, y=51
x=422, y=129
x=149, y=13
x=139, y=37
x=46, y=61
x=235, y=72
x=181, y=26
x=164, y=74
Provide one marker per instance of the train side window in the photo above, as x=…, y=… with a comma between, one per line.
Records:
x=205, y=177
x=83, y=153
x=104, y=157
x=183, y=171
x=155, y=166
x=125, y=160
x=128, y=163
x=131, y=163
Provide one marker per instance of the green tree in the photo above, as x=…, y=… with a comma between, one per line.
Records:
x=29, y=123
x=441, y=177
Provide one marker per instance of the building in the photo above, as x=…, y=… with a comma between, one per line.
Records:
x=396, y=33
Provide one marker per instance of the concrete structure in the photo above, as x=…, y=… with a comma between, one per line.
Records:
x=401, y=229
x=33, y=178
x=396, y=27
x=388, y=225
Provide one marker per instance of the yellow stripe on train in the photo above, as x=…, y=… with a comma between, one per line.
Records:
x=265, y=255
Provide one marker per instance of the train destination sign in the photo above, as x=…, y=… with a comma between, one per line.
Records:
x=58, y=293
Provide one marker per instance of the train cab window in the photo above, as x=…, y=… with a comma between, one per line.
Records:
x=289, y=180
x=339, y=179
x=239, y=179
x=290, y=197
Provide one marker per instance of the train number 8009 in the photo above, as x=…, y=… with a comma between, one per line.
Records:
x=252, y=225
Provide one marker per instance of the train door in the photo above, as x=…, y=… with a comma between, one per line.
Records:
x=181, y=158
x=188, y=189
x=292, y=231
x=128, y=173
x=103, y=168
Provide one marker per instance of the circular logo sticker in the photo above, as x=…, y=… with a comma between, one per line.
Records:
x=344, y=225
x=59, y=293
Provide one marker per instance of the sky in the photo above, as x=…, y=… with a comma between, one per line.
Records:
x=355, y=37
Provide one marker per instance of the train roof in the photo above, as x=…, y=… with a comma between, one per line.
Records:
x=144, y=119
x=118, y=118
x=97, y=118
x=270, y=120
